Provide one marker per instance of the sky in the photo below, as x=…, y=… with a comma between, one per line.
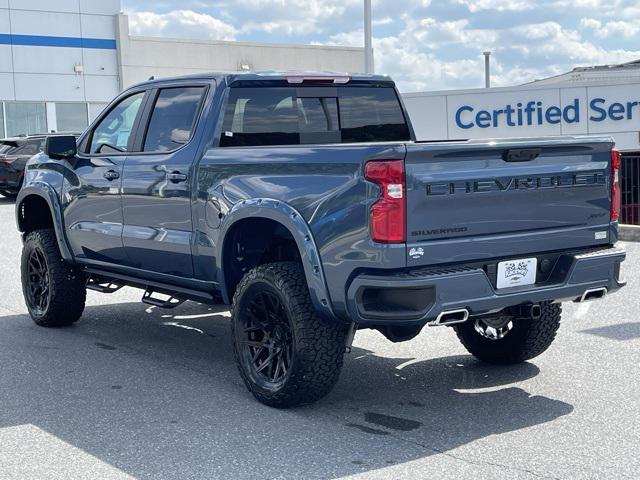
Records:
x=423, y=44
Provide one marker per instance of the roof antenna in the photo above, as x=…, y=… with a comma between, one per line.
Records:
x=152, y=77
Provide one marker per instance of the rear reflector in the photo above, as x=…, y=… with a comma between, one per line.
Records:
x=387, y=221
x=616, y=194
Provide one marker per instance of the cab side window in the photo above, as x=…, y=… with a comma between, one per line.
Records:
x=173, y=118
x=113, y=132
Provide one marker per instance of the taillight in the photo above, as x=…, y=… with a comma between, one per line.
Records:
x=387, y=221
x=616, y=194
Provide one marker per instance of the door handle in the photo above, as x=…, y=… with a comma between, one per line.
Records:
x=176, y=177
x=111, y=175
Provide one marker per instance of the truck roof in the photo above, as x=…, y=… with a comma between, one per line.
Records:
x=267, y=75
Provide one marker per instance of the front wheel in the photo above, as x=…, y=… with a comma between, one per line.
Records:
x=287, y=355
x=53, y=289
x=508, y=340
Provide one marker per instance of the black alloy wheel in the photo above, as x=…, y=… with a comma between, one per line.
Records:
x=286, y=353
x=265, y=339
x=38, y=292
x=53, y=289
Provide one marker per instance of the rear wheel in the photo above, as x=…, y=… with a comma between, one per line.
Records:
x=54, y=290
x=287, y=355
x=506, y=340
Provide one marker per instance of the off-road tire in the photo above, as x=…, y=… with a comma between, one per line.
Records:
x=66, y=282
x=318, y=346
x=528, y=338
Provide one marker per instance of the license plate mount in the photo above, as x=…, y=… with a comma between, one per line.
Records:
x=515, y=273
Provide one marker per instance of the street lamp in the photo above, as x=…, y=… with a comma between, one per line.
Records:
x=487, y=69
x=368, y=49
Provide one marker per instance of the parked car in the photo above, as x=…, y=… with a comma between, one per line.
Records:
x=305, y=203
x=14, y=153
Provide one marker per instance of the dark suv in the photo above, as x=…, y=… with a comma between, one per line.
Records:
x=305, y=203
x=14, y=153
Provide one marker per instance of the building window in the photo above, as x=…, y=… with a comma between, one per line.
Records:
x=71, y=117
x=2, y=133
x=25, y=118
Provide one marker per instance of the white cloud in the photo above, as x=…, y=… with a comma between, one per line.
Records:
x=180, y=23
x=433, y=33
x=499, y=5
x=424, y=45
x=612, y=28
x=553, y=41
x=382, y=21
x=412, y=68
x=291, y=17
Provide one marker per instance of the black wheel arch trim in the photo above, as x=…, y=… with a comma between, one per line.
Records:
x=295, y=223
x=49, y=195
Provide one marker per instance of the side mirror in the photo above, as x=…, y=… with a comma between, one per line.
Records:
x=61, y=147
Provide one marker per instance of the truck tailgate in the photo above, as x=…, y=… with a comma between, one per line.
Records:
x=506, y=198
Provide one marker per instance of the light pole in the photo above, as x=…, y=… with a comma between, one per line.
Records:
x=487, y=69
x=368, y=49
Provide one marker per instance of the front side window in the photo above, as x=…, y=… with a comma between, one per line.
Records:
x=113, y=131
x=289, y=116
x=25, y=118
x=173, y=118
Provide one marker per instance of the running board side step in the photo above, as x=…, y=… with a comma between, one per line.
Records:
x=450, y=317
x=170, y=302
x=99, y=280
x=102, y=285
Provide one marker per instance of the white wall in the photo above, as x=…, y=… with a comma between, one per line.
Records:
x=44, y=72
x=142, y=57
x=433, y=114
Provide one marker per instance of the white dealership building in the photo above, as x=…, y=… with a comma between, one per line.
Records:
x=588, y=100
x=62, y=61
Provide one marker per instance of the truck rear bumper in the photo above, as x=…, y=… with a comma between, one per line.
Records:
x=418, y=296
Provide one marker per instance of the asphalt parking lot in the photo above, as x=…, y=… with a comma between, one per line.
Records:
x=138, y=392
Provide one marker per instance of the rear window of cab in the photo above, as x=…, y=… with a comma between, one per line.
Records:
x=298, y=116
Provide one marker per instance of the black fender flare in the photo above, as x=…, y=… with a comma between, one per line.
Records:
x=293, y=221
x=49, y=195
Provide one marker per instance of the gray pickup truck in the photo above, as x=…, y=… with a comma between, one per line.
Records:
x=305, y=203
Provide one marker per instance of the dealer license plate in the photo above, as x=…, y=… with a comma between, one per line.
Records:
x=515, y=273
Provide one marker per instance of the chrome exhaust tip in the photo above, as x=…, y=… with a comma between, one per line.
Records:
x=593, y=294
x=450, y=317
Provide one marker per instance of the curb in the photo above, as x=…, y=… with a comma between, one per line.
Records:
x=629, y=233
